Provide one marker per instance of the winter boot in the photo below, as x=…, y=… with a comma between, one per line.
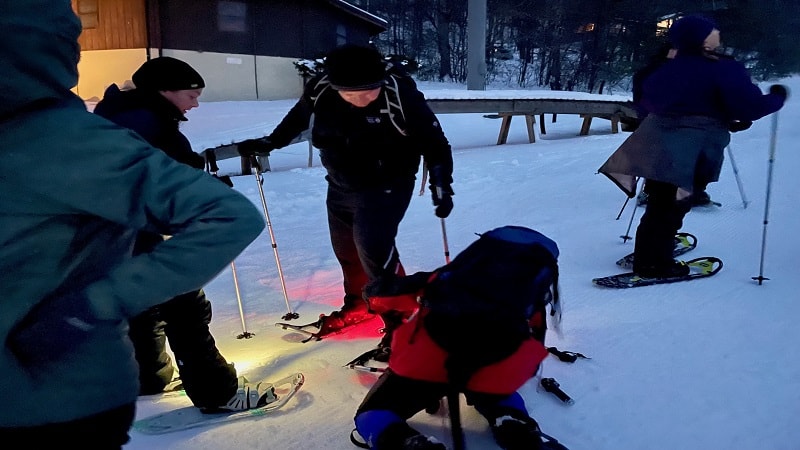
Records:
x=700, y=198
x=516, y=431
x=247, y=396
x=673, y=269
x=352, y=312
x=400, y=436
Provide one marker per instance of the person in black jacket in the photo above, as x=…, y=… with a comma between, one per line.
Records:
x=371, y=128
x=166, y=88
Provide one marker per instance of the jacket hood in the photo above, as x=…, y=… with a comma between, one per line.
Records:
x=39, y=52
x=116, y=101
x=689, y=33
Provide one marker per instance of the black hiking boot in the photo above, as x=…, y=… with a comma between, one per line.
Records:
x=700, y=199
x=674, y=269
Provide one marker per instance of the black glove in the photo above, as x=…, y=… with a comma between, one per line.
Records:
x=739, y=125
x=225, y=179
x=442, y=200
x=779, y=89
x=53, y=329
x=260, y=147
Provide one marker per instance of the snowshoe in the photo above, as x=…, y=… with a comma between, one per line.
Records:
x=362, y=361
x=333, y=323
x=400, y=436
x=699, y=268
x=415, y=442
x=516, y=432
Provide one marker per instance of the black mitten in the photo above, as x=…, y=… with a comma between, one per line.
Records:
x=779, y=89
x=739, y=125
x=260, y=147
x=225, y=179
x=443, y=200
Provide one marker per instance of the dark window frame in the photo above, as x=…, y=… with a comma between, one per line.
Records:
x=232, y=16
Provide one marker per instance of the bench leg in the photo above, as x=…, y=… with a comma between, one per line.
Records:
x=615, y=125
x=504, y=126
x=541, y=124
x=587, y=123
x=530, y=121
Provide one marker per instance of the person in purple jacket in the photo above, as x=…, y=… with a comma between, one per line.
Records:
x=690, y=101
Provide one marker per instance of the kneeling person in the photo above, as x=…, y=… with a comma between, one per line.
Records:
x=479, y=330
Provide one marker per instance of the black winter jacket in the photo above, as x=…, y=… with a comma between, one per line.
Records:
x=360, y=147
x=153, y=117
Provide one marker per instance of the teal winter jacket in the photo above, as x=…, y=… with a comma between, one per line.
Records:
x=75, y=191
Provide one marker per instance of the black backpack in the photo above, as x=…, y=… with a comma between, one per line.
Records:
x=479, y=307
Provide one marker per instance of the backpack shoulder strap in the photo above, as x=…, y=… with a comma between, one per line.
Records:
x=322, y=85
x=394, y=107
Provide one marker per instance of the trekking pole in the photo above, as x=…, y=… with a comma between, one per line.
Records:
x=736, y=175
x=260, y=181
x=772, y=143
x=245, y=334
x=626, y=236
x=213, y=169
x=456, y=429
x=444, y=240
x=623, y=207
x=624, y=204
x=424, y=177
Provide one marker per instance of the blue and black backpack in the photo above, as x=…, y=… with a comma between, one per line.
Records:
x=491, y=297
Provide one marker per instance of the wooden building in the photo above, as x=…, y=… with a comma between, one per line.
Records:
x=245, y=49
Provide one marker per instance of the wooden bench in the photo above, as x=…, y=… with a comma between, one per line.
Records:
x=530, y=120
x=587, y=109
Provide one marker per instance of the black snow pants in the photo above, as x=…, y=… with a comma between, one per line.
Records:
x=209, y=380
x=363, y=225
x=207, y=377
x=662, y=218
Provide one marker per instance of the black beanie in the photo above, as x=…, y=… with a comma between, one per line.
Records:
x=355, y=68
x=689, y=33
x=167, y=74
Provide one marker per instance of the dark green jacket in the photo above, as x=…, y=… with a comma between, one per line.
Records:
x=76, y=189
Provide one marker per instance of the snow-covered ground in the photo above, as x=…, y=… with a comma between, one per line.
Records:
x=708, y=364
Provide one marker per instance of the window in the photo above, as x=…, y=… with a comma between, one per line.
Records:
x=232, y=16
x=88, y=13
x=341, y=34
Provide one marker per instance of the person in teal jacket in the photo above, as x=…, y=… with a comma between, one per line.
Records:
x=76, y=191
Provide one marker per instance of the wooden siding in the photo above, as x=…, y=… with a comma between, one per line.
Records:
x=296, y=29
x=121, y=25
